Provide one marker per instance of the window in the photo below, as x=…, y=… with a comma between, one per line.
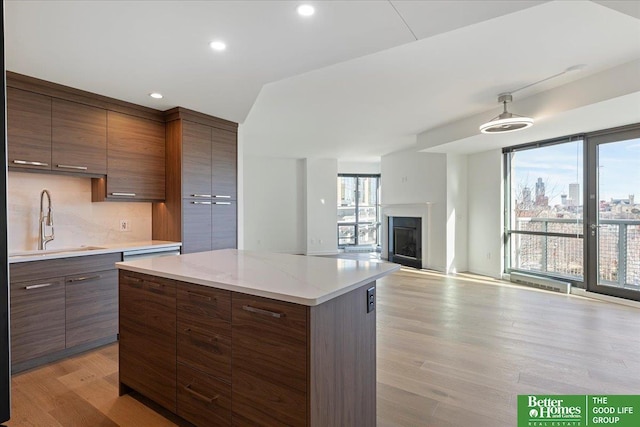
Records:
x=545, y=209
x=358, y=210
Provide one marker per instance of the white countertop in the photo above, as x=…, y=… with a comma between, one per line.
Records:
x=26, y=256
x=306, y=280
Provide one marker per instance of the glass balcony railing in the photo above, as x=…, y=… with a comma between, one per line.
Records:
x=559, y=250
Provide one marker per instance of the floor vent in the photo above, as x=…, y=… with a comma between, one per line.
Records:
x=540, y=282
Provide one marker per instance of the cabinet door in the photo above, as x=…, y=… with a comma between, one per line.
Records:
x=37, y=318
x=196, y=226
x=91, y=306
x=148, y=336
x=135, y=158
x=224, y=225
x=79, y=138
x=269, y=345
x=28, y=130
x=196, y=160
x=224, y=164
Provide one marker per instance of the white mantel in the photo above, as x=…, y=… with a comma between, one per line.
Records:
x=416, y=210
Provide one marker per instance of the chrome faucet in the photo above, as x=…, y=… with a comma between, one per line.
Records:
x=45, y=221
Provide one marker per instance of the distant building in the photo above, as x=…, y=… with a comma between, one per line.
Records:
x=574, y=194
x=541, y=199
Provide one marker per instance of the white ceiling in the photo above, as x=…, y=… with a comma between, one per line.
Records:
x=351, y=82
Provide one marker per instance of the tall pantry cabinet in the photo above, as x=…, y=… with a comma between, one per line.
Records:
x=200, y=208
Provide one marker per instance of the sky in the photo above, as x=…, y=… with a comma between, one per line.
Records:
x=560, y=165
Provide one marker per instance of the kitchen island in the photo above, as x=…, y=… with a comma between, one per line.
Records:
x=252, y=338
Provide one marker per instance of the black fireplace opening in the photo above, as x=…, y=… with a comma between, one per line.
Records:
x=405, y=240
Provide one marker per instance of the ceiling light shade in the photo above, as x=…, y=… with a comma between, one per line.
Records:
x=506, y=122
x=306, y=10
x=156, y=95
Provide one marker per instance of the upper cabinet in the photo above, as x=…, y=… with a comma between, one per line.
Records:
x=135, y=160
x=79, y=138
x=58, y=129
x=200, y=208
x=28, y=130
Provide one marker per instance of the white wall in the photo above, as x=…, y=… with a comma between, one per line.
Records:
x=274, y=204
x=412, y=177
x=485, y=204
x=77, y=221
x=322, y=196
x=240, y=193
x=359, y=168
x=457, y=213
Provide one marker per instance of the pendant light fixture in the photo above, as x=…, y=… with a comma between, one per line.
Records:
x=509, y=122
x=506, y=122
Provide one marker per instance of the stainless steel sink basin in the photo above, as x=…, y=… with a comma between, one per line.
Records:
x=53, y=251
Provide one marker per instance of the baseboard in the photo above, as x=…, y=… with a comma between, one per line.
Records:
x=608, y=298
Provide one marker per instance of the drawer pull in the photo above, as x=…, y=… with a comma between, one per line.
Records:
x=26, y=162
x=263, y=312
x=210, y=340
x=208, y=196
x=221, y=197
x=80, y=168
x=200, y=396
x=124, y=194
x=201, y=203
x=154, y=285
x=42, y=285
x=82, y=279
x=221, y=203
x=204, y=297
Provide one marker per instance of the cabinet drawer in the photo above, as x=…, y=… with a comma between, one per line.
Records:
x=203, y=304
x=203, y=400
x=265, y=403
x=205, y=349
x=270, y=339
x=37, y=318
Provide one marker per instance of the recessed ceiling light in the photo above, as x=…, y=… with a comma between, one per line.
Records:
x=156, y=95
x=306, y=10
x=218, y=45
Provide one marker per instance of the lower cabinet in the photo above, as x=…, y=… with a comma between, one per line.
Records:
x=55, y=317
x=37, y=318
x=243, y=360
x=148, y=337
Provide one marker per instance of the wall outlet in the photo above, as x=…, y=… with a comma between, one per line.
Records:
x=125, y=225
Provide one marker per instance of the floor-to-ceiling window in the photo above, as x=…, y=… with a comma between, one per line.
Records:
x=358, y=210
x=573, y=210
x=545, y=215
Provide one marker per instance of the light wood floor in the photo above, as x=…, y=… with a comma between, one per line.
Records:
x=452, y=351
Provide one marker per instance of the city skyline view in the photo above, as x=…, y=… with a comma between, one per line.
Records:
x=561, y=165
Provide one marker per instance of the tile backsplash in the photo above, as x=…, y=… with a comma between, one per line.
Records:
x=76, y=220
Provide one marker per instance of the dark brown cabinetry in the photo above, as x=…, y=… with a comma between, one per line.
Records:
x=148, y=336
x=201, y=201
x=37, y=318
x=54, y=317
x=79, y=138
x=91, y=307
x=135, y=160
x=244, y=360
x=204, y=355
x=28, y=130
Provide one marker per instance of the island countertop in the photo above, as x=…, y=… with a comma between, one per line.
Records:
x=306, y=280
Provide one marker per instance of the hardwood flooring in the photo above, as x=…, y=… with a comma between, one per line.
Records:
x=452, y=351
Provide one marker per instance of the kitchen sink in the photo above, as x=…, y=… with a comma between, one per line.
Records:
x=46, y=252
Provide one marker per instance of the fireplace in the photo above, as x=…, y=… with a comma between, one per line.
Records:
x=405, y=240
